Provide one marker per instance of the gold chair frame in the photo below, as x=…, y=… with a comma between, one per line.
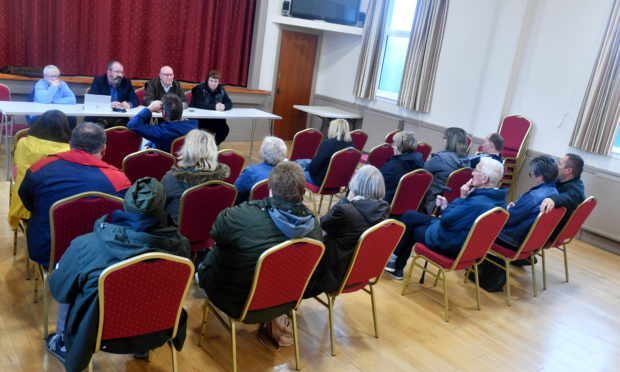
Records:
x=304, y=131
x=255, y=187
x=399, y=189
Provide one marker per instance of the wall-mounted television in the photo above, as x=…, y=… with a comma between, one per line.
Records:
x=336, y=11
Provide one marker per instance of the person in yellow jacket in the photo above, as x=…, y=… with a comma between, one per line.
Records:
x=49, y=135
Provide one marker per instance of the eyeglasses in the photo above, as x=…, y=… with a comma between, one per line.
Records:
x=532, y=174
x=166, y=75
x=118, y=72
x=52, y=76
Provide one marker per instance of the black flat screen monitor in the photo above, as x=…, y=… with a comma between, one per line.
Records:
x=336, y=11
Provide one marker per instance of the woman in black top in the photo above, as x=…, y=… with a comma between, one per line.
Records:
x=210, y=95
x=338, y=138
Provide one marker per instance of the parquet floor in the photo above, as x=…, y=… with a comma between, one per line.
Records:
x=569, y=327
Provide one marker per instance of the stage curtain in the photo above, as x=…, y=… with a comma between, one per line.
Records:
x=81, y=37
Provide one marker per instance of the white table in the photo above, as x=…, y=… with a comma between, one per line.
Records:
x=32, y=108
x=327, y=114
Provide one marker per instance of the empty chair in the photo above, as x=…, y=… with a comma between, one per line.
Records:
x=128, y=291
x=235, y=161
x=140, y=94
x=378, y=155
x=480, y=238
x=7, y=128
x=260, y=190
x=453, y=185
x=425, y=149
x=515, y=130
x=305, y=144
x=410, y=191
x=147, y=163
x=359, y=138
x=339, y=172
x=280, y=279
x=389, y=138
x=120, y=142
x=188, y=95
x=568, y=233
x=370, y=257
x=535, y=241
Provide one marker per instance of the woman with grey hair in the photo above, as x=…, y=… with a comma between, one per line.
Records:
x=444, y=162
x=405, y=160
x=345, y=222
x=338, y=138
x=272, y=151
x=197, y=164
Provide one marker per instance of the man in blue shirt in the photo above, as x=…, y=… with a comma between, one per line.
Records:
x=51, y=89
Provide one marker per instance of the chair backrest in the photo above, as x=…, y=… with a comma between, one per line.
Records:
x=176, y=145
x=576, y=220
x=410, y=191
x=380, y=154
x=341, y=168
x=147, y=163
x=142, y=295
x=140, y=93
x=120, y=142
x=260, y=190
x=457, y=179
x=469, y=141
x=282, y=274
x=371, y=254
x=188, y=95
x=5, y=93
x=235, y=160
x=389, y=138
x=541, y=231
x=200, y=205
x=515, y=130
x=359, y=138
x=425, y=149
x=305, y=144
x=19, y=135
x=481, y=237
x=76, y=215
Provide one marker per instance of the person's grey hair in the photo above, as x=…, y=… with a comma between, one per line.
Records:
x=405, y=141
x=491, y=168
x=368, y=182
x=273, y=150
x=49, y=69
x=545, y=166
x=88, y=137
x=199, y=151
x=456, y=140
x=339, y=129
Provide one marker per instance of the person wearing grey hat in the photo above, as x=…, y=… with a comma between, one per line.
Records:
x=139, y=229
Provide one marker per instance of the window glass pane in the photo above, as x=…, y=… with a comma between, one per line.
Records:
x=393, y=63
x=401, y=16
x=616, y=148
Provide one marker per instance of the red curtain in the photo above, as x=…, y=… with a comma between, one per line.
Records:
x=81, y=37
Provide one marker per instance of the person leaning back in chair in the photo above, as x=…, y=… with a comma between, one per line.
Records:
x=447, y=234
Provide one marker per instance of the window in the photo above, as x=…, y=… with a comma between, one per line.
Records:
x=397, y=29
x=616, y=149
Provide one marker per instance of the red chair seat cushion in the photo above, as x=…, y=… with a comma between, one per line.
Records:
x=315, y=189
x=509, y=253
x=438, y=258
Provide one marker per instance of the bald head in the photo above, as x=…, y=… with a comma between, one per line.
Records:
x=166, y=75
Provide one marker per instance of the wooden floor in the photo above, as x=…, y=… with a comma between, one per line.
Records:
x=570, y=326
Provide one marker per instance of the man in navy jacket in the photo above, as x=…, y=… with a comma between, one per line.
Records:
x=114, y=84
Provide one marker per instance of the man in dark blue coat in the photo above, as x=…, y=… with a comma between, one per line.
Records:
x=114, y=84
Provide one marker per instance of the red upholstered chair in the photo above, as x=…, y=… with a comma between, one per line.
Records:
x=280, y=278
x=143, y=295
x=260, y=190
x=235, y=160
x=305, y=144
x=410, y=191
x=359, y=138
x=18, y=136
x=455, y=180
x=176, y=145
x=371, y=254
x=8, y=128
x=188, y=95
x=469, y=141
x=69, y=218
x=480, y=238
x=339, y=173
x=147, y=163
x=515, y=129
x=568, y=233
x=534, y=241
x=200, y=205
x=378, y=155
x=120, y=142
x=140, y=93
x=389, y=138
x=425, y=149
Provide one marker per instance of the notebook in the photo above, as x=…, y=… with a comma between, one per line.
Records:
x=97, y=103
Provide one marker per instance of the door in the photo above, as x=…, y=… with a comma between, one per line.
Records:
x=293, y=81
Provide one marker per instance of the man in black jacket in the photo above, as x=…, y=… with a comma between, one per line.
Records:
x=165, y=83
x=114, y=83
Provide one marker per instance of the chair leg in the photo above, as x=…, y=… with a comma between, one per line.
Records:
x=507, y=268
x=295, y=340
x=330, y=307
x=374, y=311
x=445, y=293
x=544, y=269
x=565, y=262
x=28, y=273
x=407, y=277
x=320, y=204
x=331, y=198
x=90, y=365
x=533, y=274
x=37, y=271
x=174, y=356
x=149, y=355
x=477, y=285
x=203, y=329
x=233, y=341
x=46, y=308
x=15, y=241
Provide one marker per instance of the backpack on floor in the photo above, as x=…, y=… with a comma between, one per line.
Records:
x=491, y=278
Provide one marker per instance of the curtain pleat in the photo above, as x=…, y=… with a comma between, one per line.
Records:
x=599, y=117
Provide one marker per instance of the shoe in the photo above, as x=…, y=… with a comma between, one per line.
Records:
x=396, y=274
x=56, y=346
x=391, y=265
